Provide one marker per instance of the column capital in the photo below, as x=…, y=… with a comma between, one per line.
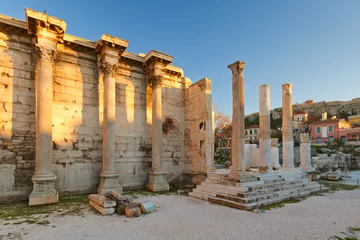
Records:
x=205, y=84
x=109, y=69
x=155, y=81
x=47, y=29
x=237, y=67
x=287, y=88
x=109, y=50
x=44, y=54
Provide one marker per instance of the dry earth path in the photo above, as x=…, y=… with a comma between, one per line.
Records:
x=181, y=217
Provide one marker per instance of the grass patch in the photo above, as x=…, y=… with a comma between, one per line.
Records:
x=352, y=233
x=280, y=204
x=136, y=193
x=68, y=205
x=336, y=186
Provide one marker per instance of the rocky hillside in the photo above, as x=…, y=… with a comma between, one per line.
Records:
x=315, y=109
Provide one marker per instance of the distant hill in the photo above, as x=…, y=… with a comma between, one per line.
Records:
x=341, y=109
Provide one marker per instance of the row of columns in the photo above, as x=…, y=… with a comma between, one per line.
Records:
x=268, y=147
x=47, y=31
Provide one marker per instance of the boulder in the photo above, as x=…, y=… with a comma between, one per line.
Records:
x=132, y=210
x=101, y=209
x=102, y=200
x=147, y=207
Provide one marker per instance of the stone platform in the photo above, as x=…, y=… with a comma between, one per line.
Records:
x=250, y=195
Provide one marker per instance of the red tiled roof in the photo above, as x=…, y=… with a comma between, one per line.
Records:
x=300, y=112
x=254, y=126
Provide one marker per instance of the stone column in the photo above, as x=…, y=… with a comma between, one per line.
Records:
x=238, y=120
x=305, y=153
x=238, y=169
x=287, y=128
x=46, y=31
x=109, y=178
x=265, y=139
x=44, y=179
x=155, y=63
x=157, y=177
x=109, y=50
x=275, y=153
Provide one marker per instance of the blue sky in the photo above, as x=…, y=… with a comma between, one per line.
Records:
x=315, y=45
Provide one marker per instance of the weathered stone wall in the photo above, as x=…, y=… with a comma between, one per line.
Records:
x=17, y=110
x=199, y=140
x=77, y=117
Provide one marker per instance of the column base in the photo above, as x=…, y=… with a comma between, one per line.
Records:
x=157, y=182
x=288, y=169
x=277, y=166
x=109, y=182
x=241, y=176
x=43, y=191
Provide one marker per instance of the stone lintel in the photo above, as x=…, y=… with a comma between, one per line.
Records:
x=133, y=57
x=158, y=57
x=109, y=44
x=49, y=30
x=237, y=66
x=80, y=41
x=174, y=70
x=13, y=21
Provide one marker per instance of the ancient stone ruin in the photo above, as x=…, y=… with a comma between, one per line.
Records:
x=83, y=117
x=80, y=117
x=245, y=188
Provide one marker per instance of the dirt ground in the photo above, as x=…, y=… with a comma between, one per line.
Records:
x=329, y=216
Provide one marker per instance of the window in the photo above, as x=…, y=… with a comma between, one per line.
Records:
x=318, y=140
x=331, y=139
x=330, y=128
x=246, y=132
x=250, y=132
x=318, y=129
x=255, y=131
x=343, y=139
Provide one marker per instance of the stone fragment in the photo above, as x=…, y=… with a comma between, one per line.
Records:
x=132, y=210
x=102, y=200
x=102, y=210
x=117, y=196
x=147, y=207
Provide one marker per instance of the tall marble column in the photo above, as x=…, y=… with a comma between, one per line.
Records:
x=238, y=161
x=47, y=31
x=157, y=177
x=238, y=120
x=44, y=179
x=287, y=128
x=109, y=50
x=265, y=138
x=305, y=153
x=109, y=178
x=155, y=68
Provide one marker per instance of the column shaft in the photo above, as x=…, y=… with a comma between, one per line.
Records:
x=109, y=178
x=265, y=138
x=109, y=131
x=156, y=130
x=44, y=180
x=305, y=153
x=287, y=128
x=157, y=176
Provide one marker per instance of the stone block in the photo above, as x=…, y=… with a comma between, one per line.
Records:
x=102, y=200
x=147, y=207
x=102, y=210
x=117, y=196
x=132, y=210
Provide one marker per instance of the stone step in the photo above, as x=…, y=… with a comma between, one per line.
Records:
x=270, y=190
x=267, y=196
x=216, y=185
x=217, y=190
x=272, y=184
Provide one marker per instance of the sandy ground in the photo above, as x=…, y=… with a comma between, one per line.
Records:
x=181, y=217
